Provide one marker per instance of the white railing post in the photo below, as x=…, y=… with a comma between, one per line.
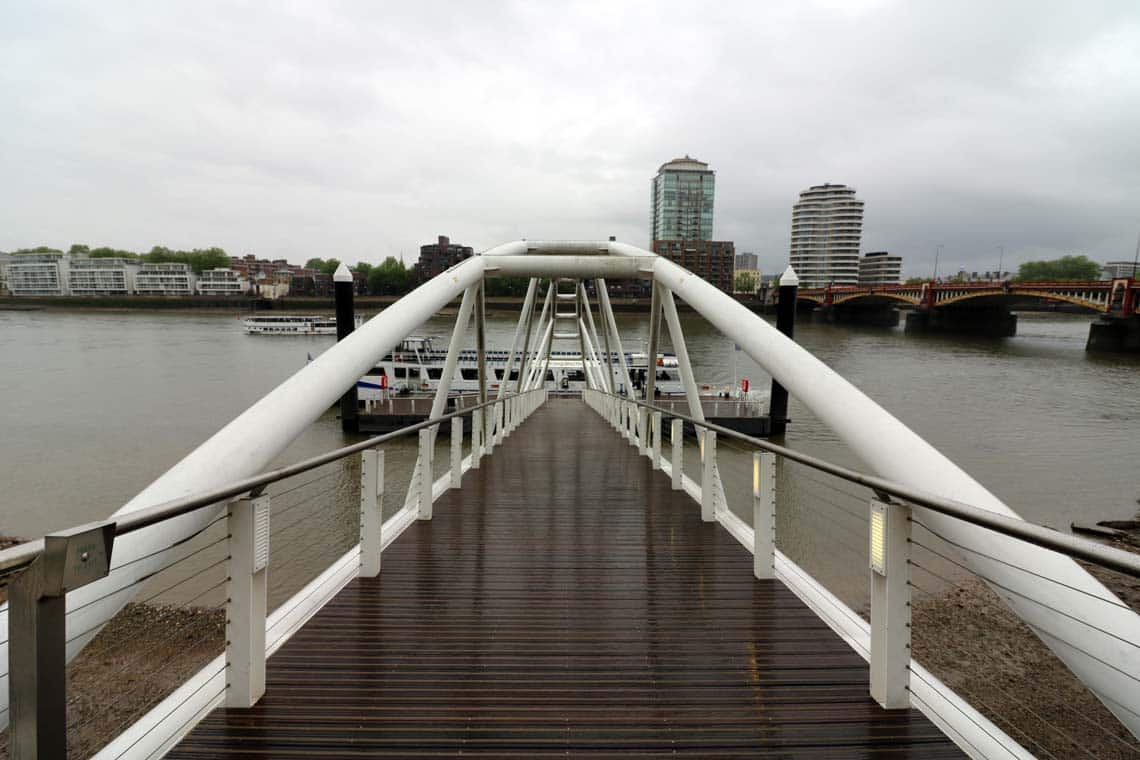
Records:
x=642, y=430
x=476, y=438
x=764, y=514
x=656, y=432
x=632, y=412
x=456, y=451
x=890, y=604
x=248, y=526
x=489, y=442
x=677, y=436
x=708, y=475
x=371, y=510
x=426, y=472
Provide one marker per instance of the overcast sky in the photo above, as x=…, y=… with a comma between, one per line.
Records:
x=363, y=130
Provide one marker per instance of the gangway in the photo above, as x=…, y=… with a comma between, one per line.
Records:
x=531, y=584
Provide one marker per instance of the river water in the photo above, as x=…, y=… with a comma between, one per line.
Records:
x=98, y=404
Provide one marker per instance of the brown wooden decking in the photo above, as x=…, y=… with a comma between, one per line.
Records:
x=566, y=603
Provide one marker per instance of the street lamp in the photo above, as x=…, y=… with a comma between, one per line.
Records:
x=1001, y=257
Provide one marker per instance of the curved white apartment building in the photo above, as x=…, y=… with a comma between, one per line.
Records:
x=827, y=224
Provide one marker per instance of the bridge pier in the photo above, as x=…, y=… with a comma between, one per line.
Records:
x=1111, y=333
x=872, y=316
x=991, y=322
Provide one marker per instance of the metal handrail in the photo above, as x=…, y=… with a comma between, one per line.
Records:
x=22, y=555
x=1048, y=538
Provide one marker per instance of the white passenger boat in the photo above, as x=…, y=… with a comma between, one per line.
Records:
x=291, y=324
x=416, y=367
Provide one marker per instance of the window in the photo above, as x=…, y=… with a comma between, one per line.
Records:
x=400, y=372
x=549, y=376
x=469, y=373
x=435, y=373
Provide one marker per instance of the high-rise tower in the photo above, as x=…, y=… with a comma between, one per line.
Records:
x=682, y=203
x=827, y=224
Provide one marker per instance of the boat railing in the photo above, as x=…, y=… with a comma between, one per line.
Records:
x=204, y=620
x=896, y=588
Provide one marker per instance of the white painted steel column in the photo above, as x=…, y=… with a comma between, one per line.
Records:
x=528, y=304
x=611, y=325
x=677, y=336
x=427, y=436
x=677, y=437
x=524, y=367
x=371, y=510
x=606, y=386
x=764, y=514
x=708, y=474
x=654, y=339
x=890, y=604
x=248, y=526
x=656, y=433
x=456, y=451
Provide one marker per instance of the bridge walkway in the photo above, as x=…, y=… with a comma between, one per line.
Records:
x=565, y=603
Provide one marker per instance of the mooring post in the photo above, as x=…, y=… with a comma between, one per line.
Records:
x=785, y=323
x=345, y=324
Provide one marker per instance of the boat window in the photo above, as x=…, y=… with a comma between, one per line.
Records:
x=469, y=373
x=549, y=376
x=414, y=373
x=514, y=374
x=378, y=371
x=498, y=374
x=575, y=375
x=435, y=373
x=400, y=372
x=663, y=375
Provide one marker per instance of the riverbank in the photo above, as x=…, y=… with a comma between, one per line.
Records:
x=286, y=305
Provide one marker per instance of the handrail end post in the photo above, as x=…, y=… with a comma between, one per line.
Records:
x=248, y=524
x=890, y=528
x=764, y=514
x=371, y=510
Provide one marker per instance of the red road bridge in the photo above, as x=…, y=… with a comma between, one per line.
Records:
x=975, y=307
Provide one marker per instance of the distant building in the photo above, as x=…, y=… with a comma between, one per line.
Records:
x=1116, y=269
x=711, y=260
x=101, y=276
x=682, y=201
x=436, y=258
x=222, y=282
x=169, y=279
x=38, y=274
x=736, y=278
x=827, y=226
x=880, y=268
x=747, y=261
x=5, y=259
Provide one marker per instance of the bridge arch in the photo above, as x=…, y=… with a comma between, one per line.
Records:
x=842, y=298
x=1003, y=297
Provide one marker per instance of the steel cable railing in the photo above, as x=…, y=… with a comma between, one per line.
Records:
x=834, y=507
x=174, y=624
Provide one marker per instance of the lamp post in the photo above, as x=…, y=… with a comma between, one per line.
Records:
x=1001, y=259
x=937, y=253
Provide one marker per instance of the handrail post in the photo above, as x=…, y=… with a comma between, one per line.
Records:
x=456, y=451
x=656, y=432
x=476, y=438
x=371, y=510
x=632, y=411
x=676, y=435
x=890, y=604
x=489, y=441
x=248, y=525
x=764, y=514
x=37, y=627
x=642, y=430
x=708, y=475
x=426, y=472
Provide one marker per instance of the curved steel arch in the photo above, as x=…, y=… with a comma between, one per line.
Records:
x=890, y=296
x=1035, y=295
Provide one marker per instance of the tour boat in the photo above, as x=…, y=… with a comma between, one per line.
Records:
x=291, y=324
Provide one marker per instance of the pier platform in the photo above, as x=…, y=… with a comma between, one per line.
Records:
x=566, y=603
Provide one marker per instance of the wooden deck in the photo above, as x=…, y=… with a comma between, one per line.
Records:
x=566, y=603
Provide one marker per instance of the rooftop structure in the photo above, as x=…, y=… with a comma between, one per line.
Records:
x=436, y=258
x=880, y=268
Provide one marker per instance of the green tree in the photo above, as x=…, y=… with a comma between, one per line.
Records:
x=915, y=281
x=391, y=278
x=315, y=263
x=507, y=286
x=199, y=259
x=77, y=248
x=330, y=266
x=104, y=252
x=744, y=282
x=1064, y=269
x=38, y=249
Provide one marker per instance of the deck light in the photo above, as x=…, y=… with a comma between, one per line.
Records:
x=879, y=537
x=756, y=474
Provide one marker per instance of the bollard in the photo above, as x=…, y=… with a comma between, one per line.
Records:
x=890, y=604
x=248, y=525
x=764, y=514
x=371, y=510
